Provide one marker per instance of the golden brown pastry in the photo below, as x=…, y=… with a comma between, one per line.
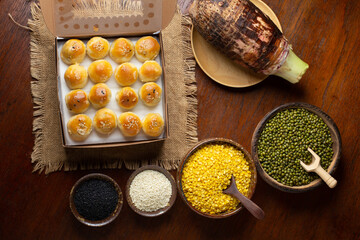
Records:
x=77, y=101
x=150, y=94
x=150, y=71
x=127, y=98
x=73, y=51
x=122, y=50
x=100, y=95
x=153, y=124
x=105, y=121
x=100, y=71
x=146, y=48
x=79, y=127
x=129, y=124
x=76, y=76
x=126, y=74
x=97, y=48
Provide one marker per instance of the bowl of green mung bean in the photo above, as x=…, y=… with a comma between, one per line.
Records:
x=281, y=139
x=206, y=171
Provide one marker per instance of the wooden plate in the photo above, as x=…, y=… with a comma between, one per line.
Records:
x=335, y=136
x=221, y=69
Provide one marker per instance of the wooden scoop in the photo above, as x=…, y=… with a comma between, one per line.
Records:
x=315, y=167
x=254, y=209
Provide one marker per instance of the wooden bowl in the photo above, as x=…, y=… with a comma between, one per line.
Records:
x=100, y=222
x=221, y=141
x=335, y=135
x=160, y=211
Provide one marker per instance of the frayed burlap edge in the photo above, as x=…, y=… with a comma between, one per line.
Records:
x=190, y=81
x=36, y=24
x=37, y=87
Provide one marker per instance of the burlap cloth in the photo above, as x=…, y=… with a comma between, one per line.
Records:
x=49, y=155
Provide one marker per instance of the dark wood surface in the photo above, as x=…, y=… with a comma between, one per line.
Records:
x=324, y=33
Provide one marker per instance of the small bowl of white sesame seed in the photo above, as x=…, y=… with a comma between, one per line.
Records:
x=151, y=191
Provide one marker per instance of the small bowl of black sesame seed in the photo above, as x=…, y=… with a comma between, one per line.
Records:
x=96, y=200
x=281, y=139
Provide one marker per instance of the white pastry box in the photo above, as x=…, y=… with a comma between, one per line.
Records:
x=110, y=19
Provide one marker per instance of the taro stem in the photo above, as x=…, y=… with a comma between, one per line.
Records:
x=292, y=69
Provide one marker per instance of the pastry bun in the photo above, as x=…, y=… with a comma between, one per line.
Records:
x=146, y=48
x=100, y=95
x=79, y=127
x=76, y=76
x=127, y=98
x=73, y=51
x=129, y=124
x=126, y=74
x=150, y=71
x=97, y=48
x=122, y=50
x=150, y=94
x=77, y=101
x=153, y=124
x=100, y=71
x=105, y=121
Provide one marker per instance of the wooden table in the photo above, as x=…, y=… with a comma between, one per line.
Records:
x=324, y=33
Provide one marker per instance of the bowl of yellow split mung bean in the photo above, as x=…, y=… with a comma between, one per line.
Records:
x=206, y=171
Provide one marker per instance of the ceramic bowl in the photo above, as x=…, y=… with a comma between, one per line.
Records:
x=335, y=135
x=103, y=221
x=160, y=211
x=214, y=141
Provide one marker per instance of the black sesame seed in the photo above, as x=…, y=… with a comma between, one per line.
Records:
x=96, y=199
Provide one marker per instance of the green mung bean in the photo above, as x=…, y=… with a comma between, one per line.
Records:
x=284, y=140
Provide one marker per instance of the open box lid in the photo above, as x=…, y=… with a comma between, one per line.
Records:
x=84, y=18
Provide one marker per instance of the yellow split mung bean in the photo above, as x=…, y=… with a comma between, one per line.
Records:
x=208, y=171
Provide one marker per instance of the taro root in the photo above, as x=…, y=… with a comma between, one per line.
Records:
x=247, y=36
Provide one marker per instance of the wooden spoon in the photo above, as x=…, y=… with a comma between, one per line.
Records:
x=316, y=167
x=254, y=209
